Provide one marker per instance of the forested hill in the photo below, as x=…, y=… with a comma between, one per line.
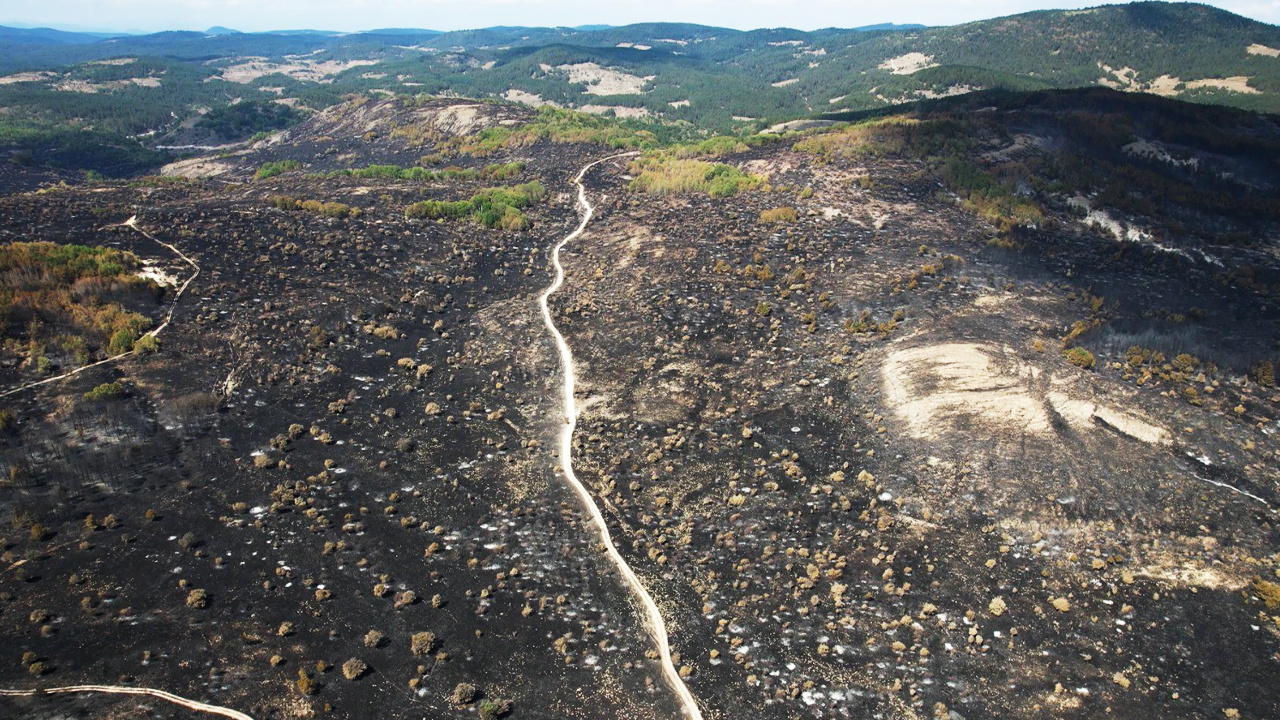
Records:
x=157, y=88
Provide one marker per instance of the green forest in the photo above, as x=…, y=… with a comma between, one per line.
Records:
x=119, y=106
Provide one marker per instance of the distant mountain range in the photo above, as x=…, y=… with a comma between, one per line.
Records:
x=42, y=36
x=157, y=86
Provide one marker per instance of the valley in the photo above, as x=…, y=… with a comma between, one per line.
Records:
x=128, y=104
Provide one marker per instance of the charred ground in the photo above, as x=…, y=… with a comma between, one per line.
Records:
x=855, y=450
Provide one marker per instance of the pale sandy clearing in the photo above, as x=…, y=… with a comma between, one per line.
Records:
x=526, y=98
x=151, y=270
x=1237, y=83
x=802, y=124
x=601, y=80
x=835, y=100
x=907, y=64
x=954, y=386
x=784, y=83
x=1081, y=414
x=1145, y=149
x=934, y=388
x=196, y=168
x=618, y=110
x=459, y=119
x=79, y=86
x=304, y=70
x=1125, y=78
x=950, y=91
x=1166, y=85
x=27, y=77
x=1257, y=49
x=115, y=61
x=679, y=103
x=634, y=46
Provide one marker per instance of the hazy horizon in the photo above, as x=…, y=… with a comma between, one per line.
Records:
x=143, y=16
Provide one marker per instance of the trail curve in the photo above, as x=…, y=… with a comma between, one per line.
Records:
x=121, y=690
x=652, y=616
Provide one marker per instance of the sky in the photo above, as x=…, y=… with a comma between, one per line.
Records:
x=355, y=15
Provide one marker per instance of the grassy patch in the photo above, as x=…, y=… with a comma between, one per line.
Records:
x=662, y=174
x=279, y=167
x=778, y=215
x=327, y=209
x=61, y=302
x=501, y=171
x=494, y=207
x=555, y=125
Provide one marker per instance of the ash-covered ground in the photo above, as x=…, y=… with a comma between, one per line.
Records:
x=849, y=455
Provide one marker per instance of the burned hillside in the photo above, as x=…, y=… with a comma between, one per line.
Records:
x=917, y=416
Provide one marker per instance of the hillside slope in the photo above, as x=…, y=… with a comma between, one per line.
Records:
x=964, y=410
x=154, y=88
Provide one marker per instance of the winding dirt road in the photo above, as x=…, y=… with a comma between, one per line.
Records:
x=130, y=223
x=652, y=616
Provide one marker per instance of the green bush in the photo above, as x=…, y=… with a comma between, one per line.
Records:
x=494, y=207
x=122, y=342
x=778, y=215
x=662, y=174
x=1080, y=357
x=106, y=391
x=278, y=167
x=327, y=209
x=493, y=708
x=147, y=344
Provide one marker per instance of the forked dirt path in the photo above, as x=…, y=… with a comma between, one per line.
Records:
x=652, y=616
x=130, y=223
x=116, y=689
